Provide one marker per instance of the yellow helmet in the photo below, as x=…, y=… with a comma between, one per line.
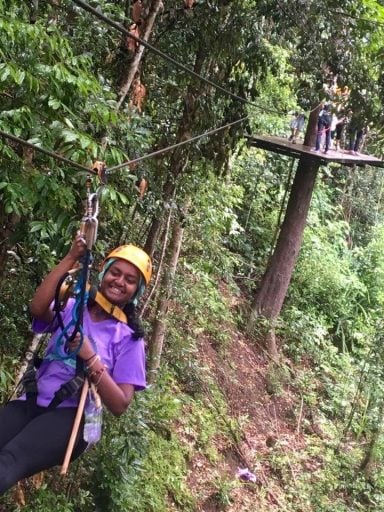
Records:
x=136, y=256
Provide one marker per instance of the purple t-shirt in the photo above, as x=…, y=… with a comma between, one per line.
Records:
x=123, y=356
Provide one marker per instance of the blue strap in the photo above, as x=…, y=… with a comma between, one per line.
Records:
x=75, y=325
x=68, y=360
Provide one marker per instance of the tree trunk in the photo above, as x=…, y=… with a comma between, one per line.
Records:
x=158, y=333
x=274, y=284
x=179, y=158
x=311, y=132
x=368, y=462
x=168, y=195
x=153, y=235
x=159, y=269
x=149, y=22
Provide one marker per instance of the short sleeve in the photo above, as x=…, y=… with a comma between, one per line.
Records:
x=129, y=367
x=41, y=327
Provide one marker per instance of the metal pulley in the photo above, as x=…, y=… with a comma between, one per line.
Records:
x=89, y=222
x=67, y=286
x=88, y=229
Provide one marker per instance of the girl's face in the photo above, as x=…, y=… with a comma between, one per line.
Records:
x=120, y=282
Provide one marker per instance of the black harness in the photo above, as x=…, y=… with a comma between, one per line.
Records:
x=66, y=390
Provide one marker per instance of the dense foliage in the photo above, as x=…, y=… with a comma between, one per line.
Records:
x=61, y=73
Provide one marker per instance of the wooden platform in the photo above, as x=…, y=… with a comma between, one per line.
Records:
x=284, y=147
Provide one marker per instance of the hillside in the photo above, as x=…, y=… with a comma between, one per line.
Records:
x=264, y=422
x=283, y=422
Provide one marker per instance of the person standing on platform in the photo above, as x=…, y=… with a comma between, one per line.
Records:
x=339, y=131
x=296, y=126
x=356, y=131
x=324, y=128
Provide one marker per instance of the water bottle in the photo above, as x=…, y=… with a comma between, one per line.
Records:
x=92, y=423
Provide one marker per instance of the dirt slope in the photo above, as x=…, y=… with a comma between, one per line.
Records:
x=270, y=415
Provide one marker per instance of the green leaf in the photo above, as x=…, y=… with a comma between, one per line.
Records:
x=54, y=103
x=69, y=136
x=4, y=72
x=35, y=227
x=69, y=123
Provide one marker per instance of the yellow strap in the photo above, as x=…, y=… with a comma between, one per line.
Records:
x=110, y=308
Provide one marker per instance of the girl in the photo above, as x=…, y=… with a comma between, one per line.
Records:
x=35, y=429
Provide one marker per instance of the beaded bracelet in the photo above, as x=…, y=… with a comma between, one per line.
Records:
x=89, y=358
x=101, y=376
x=89, y=366
x=96, y=372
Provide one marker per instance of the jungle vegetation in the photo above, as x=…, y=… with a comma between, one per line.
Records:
x=285, y=381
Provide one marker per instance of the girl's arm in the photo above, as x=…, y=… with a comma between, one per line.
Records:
x=45, y=293
x=116, y=397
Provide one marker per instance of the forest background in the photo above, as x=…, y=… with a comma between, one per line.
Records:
x=305, y=415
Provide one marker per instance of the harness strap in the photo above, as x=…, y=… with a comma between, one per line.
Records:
x=70, y=388
x=110, y=308
x=66, y=390
x=29, y=382
x=74, y=385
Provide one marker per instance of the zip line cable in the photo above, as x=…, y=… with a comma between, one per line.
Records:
x=47, y=152
x=124, y=164
x=169, y=148
x=170, y=59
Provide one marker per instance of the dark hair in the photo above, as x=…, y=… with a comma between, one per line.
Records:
x=134, y=321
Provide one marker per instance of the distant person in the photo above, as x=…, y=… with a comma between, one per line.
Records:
x=296, y=126
x=339, y=121
x=324, y=128
x=339, y=131
x=333, y=126
x=356, y=132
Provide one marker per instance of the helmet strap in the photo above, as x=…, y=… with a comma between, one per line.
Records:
x=110, y=308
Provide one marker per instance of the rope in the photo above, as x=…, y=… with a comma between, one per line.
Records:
x=76, y=322
x=317, y=106
x=47, y=152
x=168, y=58
x=124, y=164
x=169, y=148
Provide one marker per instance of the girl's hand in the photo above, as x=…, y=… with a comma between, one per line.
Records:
x=79, y=246
x=86, y=351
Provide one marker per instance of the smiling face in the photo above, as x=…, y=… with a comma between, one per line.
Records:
x=120, y=282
